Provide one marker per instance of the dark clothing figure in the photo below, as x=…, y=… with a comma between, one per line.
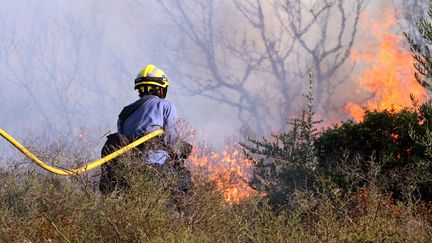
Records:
x=151, y=112
x=112, y=173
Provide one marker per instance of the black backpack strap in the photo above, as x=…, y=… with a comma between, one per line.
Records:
x=128, y=110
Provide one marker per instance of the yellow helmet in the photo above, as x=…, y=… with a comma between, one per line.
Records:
x=151, y=75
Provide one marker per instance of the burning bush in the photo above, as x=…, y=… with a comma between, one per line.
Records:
x=386, y=139
x=40, y=207
x=229, y=170
x=388, y=76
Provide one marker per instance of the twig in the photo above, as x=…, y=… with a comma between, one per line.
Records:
x=109, y=131
x=58, y=231
x=5, y=224
x=115, y=228
x=55, y=226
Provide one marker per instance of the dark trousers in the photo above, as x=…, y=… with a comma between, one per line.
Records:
x=113, y=176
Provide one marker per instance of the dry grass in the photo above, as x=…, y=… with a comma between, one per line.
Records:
x=39, y=207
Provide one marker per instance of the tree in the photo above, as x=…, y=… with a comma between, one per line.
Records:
x=408, y=12
x=287, y=162
x=297, y=24
x=46, y=64
x=209, y=62
x=251, y=55
x=420, y=48
x=49, y=71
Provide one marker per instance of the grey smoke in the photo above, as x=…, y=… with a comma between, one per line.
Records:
x=68, y=67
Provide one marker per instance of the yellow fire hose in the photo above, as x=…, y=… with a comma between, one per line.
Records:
x=83, y=169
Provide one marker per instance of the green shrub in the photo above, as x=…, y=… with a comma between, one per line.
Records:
x=382, y=143
x=40, y=207
x=286, y=162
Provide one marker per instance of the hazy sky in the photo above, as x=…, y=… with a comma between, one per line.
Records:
x=72, y=63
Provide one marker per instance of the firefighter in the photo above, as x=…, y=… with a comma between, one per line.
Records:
x=149, y=113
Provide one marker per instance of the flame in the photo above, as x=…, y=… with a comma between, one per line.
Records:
x=395, y=136
x=229, y=170
x=389, y=79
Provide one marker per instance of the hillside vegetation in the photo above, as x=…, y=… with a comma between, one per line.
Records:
x=367, y=181
x=36, y=207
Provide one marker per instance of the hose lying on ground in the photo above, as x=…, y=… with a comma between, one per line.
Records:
x=85, y=168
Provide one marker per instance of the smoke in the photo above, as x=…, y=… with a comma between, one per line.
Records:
x=67, y=67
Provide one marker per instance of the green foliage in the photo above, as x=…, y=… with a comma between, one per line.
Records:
x=38, y=207
x=381, y=144
x=287, y=162
x=422, y=53
x=42, y=208
x=390, y=150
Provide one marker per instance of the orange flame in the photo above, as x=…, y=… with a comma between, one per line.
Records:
x=229, y=170
x=390, y=76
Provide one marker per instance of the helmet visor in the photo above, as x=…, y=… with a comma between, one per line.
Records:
x=162, y=82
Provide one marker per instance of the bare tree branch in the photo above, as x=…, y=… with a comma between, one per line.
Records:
x=271, y=44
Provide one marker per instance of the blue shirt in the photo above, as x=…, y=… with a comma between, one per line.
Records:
x=154, y=114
